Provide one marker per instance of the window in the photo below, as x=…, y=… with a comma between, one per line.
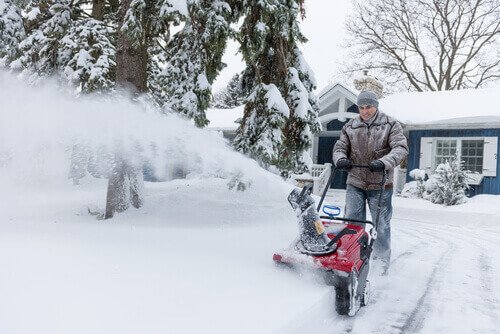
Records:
x=472, y=155
x=446, y=149
x=479, y=154
x=467, y=150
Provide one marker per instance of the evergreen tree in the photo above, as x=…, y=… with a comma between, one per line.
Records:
x=39, y=50
x=147, y=24
x=261, y=137
x=156, y=65
x=448, y=184
x=304, y=120
x=269, y=37
x=232, y=96
x=11, y=31
x=62, y=39
x=195, y=59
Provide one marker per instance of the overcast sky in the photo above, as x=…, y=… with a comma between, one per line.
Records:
x=323, y=26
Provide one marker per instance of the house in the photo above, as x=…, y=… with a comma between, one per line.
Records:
x=438, y=125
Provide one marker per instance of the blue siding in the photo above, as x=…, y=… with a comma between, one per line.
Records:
x=490, y=185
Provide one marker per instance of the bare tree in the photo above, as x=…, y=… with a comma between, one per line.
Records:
x=426, y=44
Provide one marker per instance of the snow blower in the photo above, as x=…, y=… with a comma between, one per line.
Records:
x=339, y=248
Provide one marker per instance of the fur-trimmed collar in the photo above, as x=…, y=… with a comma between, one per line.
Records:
x=380, y=118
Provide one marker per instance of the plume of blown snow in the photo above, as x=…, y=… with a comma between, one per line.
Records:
x=41, y=128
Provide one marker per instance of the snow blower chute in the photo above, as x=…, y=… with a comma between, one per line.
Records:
x=339, y=248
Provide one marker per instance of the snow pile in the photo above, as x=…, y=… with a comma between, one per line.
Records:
x=415, y=189
x=40, y=129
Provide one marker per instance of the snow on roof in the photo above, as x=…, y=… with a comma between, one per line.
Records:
x=473, y=119
x=224, y=119
x=468, y=107
x=445, y=107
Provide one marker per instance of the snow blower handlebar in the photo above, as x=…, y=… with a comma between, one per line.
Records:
x=379, y=206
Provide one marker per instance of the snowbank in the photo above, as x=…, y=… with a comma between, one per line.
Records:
x=484, y=204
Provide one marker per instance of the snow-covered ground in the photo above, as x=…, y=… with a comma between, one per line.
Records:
x=198, y=256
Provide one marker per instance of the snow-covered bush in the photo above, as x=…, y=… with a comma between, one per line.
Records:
x=448, y=184
x=415, y=189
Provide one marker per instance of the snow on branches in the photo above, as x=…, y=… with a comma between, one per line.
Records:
x=88, y=53
x=11, y=31
x=196, y=59
x=269, y=40
x=39, y=50
x=86, y=47
x=260, y=134
x=448, y=184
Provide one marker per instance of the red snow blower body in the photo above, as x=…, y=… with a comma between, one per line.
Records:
x=345, y=258
x=349, y=255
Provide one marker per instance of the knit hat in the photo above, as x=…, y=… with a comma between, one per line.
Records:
x=367, y=98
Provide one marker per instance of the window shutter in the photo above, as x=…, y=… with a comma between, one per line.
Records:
x=490, y=156
x=425, y=153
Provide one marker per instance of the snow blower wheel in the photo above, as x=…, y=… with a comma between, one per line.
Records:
x=348, y=295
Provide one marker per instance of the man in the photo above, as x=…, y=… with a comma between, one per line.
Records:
x=377, y=140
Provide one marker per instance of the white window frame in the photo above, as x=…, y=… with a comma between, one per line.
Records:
x=428, y=148
x=434, y=148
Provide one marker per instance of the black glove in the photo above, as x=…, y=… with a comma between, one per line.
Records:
x=376, y=166
x=344, y=164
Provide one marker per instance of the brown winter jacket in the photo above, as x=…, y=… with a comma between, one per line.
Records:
x=383, y=139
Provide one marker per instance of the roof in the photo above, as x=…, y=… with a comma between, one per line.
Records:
x=336, y=86
x=468, y=108
x=445, y=108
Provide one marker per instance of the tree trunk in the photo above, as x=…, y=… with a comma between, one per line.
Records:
x=117, y=197
x=126, y=182
x=131, y=58
x=98, y=9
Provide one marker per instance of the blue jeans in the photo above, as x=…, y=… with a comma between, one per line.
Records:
x=355, y=208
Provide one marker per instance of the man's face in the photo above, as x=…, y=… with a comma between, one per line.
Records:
x=366, y=111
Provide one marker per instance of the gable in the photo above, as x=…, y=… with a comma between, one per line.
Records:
x=336, y=102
